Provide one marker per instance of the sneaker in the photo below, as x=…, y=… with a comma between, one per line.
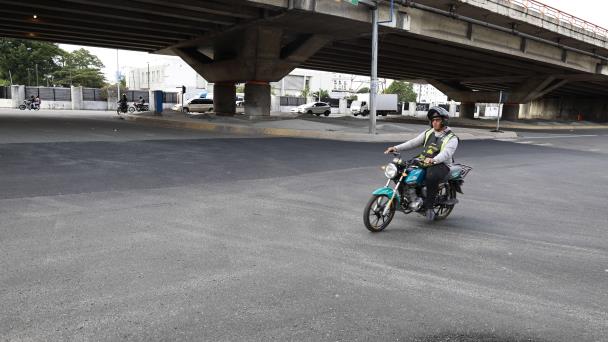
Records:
x=430, y=215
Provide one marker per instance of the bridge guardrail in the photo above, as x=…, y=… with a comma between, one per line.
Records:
x=551, y=12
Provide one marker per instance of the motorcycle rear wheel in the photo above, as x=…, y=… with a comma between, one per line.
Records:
x=372, y=215
x=442, y=211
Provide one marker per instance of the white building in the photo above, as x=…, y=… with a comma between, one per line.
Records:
x=338, y=85
x=168, y=75
x=171, y=73
x=426, y=93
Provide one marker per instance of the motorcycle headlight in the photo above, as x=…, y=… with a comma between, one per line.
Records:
x=390, y=171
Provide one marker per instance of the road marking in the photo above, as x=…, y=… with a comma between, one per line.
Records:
x=525, y=142
x=545, y=144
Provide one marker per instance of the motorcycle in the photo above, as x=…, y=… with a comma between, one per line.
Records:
x=139, y=107
x=29, y=105
x=409, y=192
x=121, y=108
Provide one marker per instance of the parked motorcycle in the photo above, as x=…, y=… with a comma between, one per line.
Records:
x=29, y=105
x=409, y=192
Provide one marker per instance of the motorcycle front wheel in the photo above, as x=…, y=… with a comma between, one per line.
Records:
x=131, y=109
x=373, y=216
x=22, y=107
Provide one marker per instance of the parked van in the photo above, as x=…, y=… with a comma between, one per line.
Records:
x=198, y=105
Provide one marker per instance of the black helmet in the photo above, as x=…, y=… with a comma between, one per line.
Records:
x=438, y=112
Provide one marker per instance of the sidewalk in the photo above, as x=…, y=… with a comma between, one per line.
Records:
x=342, y=128
x=526, y=124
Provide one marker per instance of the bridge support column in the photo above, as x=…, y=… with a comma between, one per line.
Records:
x=224, y=98
x=257, y=98
x=467, y=110
x=510, y=111
x=248, y=55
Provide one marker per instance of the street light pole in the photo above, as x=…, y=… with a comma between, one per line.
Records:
x=37, y=84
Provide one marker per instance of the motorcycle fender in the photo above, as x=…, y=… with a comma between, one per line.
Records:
x=388, y=192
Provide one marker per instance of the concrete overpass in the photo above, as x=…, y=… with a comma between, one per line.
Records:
x=553, y=63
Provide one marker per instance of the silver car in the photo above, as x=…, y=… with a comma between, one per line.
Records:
x=316, y=108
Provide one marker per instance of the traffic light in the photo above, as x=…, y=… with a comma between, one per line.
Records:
x=183, y=89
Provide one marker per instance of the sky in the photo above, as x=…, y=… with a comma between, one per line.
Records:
x=593, y=11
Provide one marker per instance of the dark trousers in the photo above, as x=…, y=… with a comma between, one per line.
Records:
x=434, y=176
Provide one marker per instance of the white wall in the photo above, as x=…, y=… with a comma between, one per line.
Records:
x=95, y=105
x=45, y=104
x=6, y=103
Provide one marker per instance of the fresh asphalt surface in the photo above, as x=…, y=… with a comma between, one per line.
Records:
x=113, y=231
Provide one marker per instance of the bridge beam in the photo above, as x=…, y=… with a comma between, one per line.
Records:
x=255, y=56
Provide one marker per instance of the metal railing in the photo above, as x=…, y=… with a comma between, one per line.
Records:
x=551, y=12
x=5, y=92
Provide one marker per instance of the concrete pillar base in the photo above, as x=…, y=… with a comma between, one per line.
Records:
x=467, y=110
x=412, y=108
x=224, y=98
x=17, y=95
x=77, y=98
x=452, y=109
x=257, y=98
x=510, y=111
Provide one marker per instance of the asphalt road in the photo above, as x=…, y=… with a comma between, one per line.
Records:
x=112, y=231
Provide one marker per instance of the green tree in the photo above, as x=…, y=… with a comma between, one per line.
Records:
x=240, y=88
x=306, y=91
x=324, y=94
x=404, y=90
x=363, y=90
x=22, y=57
x=79, y=68
x=109, y=90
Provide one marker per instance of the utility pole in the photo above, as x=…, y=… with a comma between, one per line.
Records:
x=373, y=91
x=117, y=77
x=37, y=84
x=374, y=77
x=148, y=75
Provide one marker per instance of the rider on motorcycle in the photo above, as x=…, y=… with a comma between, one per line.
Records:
x=37, y=102
x=140, y=103
x=123, y=102
x=439, y=146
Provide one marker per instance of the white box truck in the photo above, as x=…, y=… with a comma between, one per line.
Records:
x=385, y=104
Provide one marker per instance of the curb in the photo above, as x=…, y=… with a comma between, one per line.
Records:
x=297, y=133
x=507, y=125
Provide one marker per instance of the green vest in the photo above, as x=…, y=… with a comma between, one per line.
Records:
x=433, y=145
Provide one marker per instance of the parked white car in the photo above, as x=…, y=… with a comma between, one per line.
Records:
x=316, y=108
x=198, y=105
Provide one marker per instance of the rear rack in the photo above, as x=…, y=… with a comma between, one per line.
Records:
x=464, y=169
